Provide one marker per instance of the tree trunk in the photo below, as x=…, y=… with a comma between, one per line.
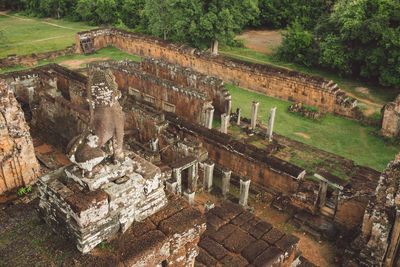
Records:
x=214, y=47
x=165, y=20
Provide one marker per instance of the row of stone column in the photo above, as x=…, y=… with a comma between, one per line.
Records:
x=226, y=180
x=225, y=118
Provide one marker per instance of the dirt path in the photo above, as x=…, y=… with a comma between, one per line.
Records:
x=372, y=105
x=252, y=59
x=76, y=63
x=261, y=41
x=303, y=135
x=41, y=40
x=4, y=13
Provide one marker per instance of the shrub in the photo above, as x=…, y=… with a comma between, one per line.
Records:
x=298, y=46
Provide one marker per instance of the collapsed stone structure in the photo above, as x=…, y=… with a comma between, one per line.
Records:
x=89, y=204
x=391, y=118
x=270, y=80
x=180, y=142
x=168, y=112
x=378, y=242
x=19, y=166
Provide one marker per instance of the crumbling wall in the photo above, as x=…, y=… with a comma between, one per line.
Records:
x=270, y=80
x=18, y=164
x=56, y=99
x=163, y=94
x=187, y=77
x=377, y=244
x=391, y=118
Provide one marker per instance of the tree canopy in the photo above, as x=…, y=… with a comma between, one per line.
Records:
x=358, y=38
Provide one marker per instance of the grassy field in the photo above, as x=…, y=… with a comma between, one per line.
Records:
x=23, y=35
x=347, y=138
x=378, y=95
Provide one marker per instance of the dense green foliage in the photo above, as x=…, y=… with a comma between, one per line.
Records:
x=280, y=13
x=358, y=38
x=299, y=46
x=197, y=22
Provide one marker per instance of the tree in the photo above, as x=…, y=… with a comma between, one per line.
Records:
x=50, y=8
x=362, y=38
x=130, y=12
x=299, y=46
x=223, y=18
x=158, y=17
x=198, y=22
x=280, y=13
x=106, y=10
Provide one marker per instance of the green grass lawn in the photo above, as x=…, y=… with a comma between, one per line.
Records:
x=25, y=35
x=378, y=95
x=347, y=138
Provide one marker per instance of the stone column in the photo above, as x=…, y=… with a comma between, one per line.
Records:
x=254, y=110
x=238, y=113
x=226, y=180
x=229, y=106
x=244, y=192
x=177, y=176
x=189, y=196
x=224, y=123
x=209, y=117
x=271, y=123
x=208, y=175
x=323, y=187
x=154, y=144
x=193, y=175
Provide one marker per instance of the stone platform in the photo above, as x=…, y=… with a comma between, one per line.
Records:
x=236, y=237
x=91, y=209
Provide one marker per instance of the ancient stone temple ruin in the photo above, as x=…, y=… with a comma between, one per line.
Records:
x=106, y=190
x=141, y=145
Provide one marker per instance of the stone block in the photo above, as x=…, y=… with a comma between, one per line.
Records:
x=206, y=258
x=237, y=241
x=213, y=221
x=146, y=250
x=273, y=236
x=224, y=232
x=88, y=207
x=271, y=257
x=254, y=250
x=213, y=248
x=234, y=261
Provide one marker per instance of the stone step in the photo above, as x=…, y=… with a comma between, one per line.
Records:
x=328, y=212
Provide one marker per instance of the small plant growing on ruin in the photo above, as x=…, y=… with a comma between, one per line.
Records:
x=24, y=190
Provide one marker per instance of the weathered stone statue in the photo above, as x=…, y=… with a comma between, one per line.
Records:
x=106, y=123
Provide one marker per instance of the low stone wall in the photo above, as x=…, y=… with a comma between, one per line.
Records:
x=13, y=61
x=270, y=80
x=18, y=164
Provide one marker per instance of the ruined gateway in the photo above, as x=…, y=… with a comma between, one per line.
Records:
x=133, y=194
